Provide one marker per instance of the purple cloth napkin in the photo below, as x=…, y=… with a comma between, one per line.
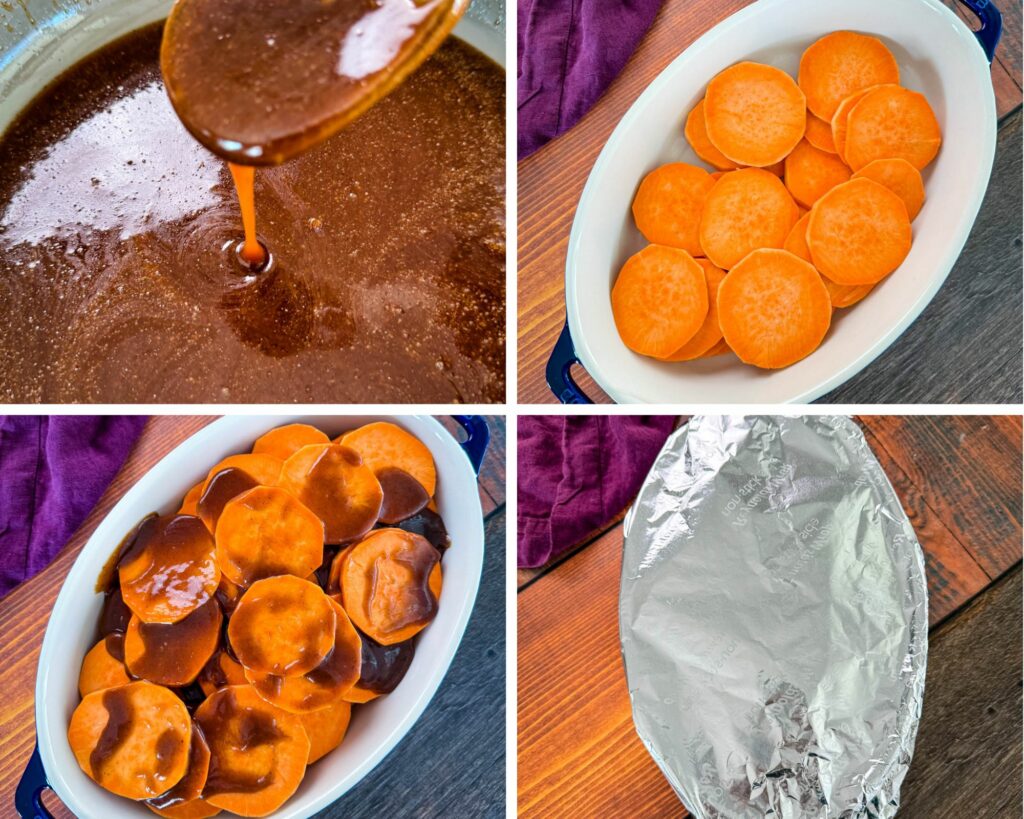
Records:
x=53, y=470
x=577, y=473
x=569, y=52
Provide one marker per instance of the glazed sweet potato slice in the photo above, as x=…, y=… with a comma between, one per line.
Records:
x=773, y=308
x=283, y=625
x=841, y=117
x=746, y=210
x=219, y=489
x=382, y=669
x=840, y=64
x=326, y=728
x=841, y=295
x=190, y=502
x=428, y=524
x=659, y=300
x=173, y=653
x=668, y=205
x=901, y=178
x=103, y=666
x=258, y=752
x=132, y=739
x=696, y=133
x=283, y=442
x=266, y=532
x=383, y=444
x=263, y=468
x=196, y=809
x=390, y=585
x=811, y=173
x=169, y=570
x=325, y=685
x=891, y=122
x=709, y=333
x=404, y=496
x=754, y=114
x=221, y=670
x=859, y=232
x=333, y=481
x=819, y=134
x=183, y=800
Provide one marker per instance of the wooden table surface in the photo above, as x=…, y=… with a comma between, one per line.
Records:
x=959, y=479
x=966, y=347
x=448, y=764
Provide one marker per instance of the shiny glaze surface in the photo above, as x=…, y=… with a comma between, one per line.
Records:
x=404, y=496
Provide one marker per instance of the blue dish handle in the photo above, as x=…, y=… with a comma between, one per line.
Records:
x=559, y=371
x=477, y=438
x=28, y=797
x=991, y=25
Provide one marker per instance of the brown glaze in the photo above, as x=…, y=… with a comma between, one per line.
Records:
x=106, y=580
x=118, y=704
x=384, y=667
x=115, y=614
x=190, y=786
x=428, y=524
x=404, y=496
x=173, y=654
x=119, y=280
x=227, y=484
x=114, y=643
x=419, y=602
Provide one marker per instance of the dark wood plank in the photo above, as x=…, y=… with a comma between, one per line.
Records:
x=492, y=470
x=967, y=760
x=1006, y=80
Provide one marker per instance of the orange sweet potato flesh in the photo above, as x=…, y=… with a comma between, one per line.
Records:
x=840, y=64
x=103, y=666
x=258, y=752
x=746, y=210
x=383, y=444
x=390, y=585
x=264, y=469
x=218, y=490
x=819, y=134
x=266, y=532
x=173, y=653
x=721, y=348
x=668, y=205
x=334, y=482
x=283, y=442
x=774, y=309
x=169, y=569
x=133, y=740
x=859, y=233
x=901, y=178
x=283, y=625
x=196, y=809
x=659, y=300
x=841, y=295
x=326, y=728
x=710, y=333
x=811, y=173
x=697, y=135
x=892, y=123
x=754, y=114
x=183, y=800
x=191, y=499
x=221, y=670
x=840, y=119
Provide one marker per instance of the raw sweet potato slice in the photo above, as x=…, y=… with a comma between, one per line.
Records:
x=266, y=532
x=668, y=205
x=103, y=666
x=773, y=308
x=892, y=123
x=334, y=482
x=901, y=178
x=283, y=625
x=326, y=728
x=283, y=442
x=721, y=348
x=382, y=669
x=776, y=168
x=709, y=333
x=179, y=801
x=819, y=134
x=132, y=739
x=227, y=484
x=258, y=752
x=326, y=684
x=811, y=173
x=404, y=496
x=754, y=114
x=841, y=117
x=221, y=670
x=859, y=233
x=841, y=295
x=659, y=300
x=173, y=653
x=840, y=64
x=191, y=499
x=382, y=444
x=390, y=585
x=264, y=469
x=697, y=135
x=746, y=210
x=169, y=570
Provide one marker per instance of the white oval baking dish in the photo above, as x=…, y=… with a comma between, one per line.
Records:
x=375, y=728
x=938, y=55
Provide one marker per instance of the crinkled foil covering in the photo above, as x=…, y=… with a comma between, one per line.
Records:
x=774, y=620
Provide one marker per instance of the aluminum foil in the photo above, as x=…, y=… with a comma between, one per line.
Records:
x=774, y=620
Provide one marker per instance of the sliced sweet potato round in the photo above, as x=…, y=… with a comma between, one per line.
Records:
x=326, y=684
x=709, y=333
x=819, y=134
x=264, y=468
x=841, y=295
x=266, y=532
x=841, y=118
x=191, y=500
x=175, y=802
x=334, y=482
x=382, y=444
x=221, y=670
x=754, y=113
x=103, y=666
x=668, y=205
x=382, y=669
x=840, y=64
x=283, y=625
x=721, y=348
x=227, y=484
x=326, y=728
x=169, y=570
x=892, y=122
x=283, y=442
x=258, y=752
x=901, y=178
x=774, y=309
x=746, y=210
x=404, y=496
x=859, y=233
x=132, y=739
x=811, y=173
x=390, y=584
x=173, y=653
x=697, y=135
x=196, y=809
